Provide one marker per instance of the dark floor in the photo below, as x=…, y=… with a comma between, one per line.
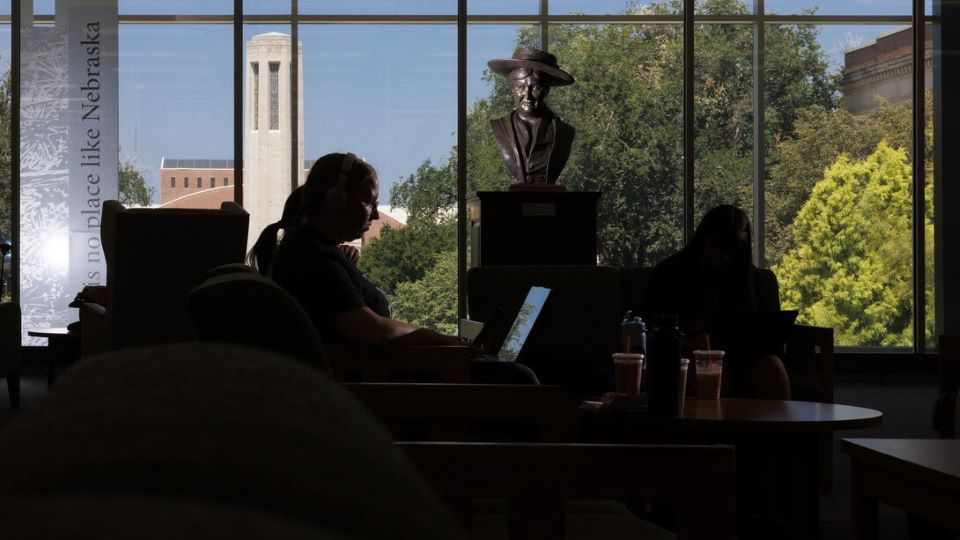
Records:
x=907, y=413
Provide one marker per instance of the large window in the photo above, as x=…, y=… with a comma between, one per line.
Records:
x=801, y=114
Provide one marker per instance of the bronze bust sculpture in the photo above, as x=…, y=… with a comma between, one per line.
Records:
x=533, y=141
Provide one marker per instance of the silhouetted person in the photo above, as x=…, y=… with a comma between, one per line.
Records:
x=534, y=142
x=715, y=272
x=336, y=204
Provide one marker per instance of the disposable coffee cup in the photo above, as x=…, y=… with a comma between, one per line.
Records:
x=709, y=373
x=627, y=369
x=682, y=391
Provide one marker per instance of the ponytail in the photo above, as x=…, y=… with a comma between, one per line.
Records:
x=261, y=254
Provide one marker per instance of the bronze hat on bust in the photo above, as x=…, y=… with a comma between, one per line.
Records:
x=537, y=60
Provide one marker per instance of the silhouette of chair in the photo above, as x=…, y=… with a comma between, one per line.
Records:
x=440, y=425
x=10, y=350
x=248, y=309
x=948, y=404
x=244, y=307
x=154, y=257
x=197, y=440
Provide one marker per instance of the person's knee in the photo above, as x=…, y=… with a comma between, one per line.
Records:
x=769, y=378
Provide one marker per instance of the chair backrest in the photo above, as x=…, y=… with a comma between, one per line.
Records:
x=948, y=350
x=234, y=431
x=538, y=478
x=578, y=329
x=154, y=257
x=9, y=339
x=249, y=309
x=464, y=412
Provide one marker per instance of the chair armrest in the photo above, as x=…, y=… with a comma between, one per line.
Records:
x=351, y=363
x=809, y=353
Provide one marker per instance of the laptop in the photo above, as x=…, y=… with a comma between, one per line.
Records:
x=476, y=332
x=751, y=332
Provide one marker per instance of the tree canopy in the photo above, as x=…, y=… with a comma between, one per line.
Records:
x=627, y=108
x=850, y=267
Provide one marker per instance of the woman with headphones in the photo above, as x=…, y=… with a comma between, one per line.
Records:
x=336, y=204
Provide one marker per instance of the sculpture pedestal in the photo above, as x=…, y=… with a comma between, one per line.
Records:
x=533, y=227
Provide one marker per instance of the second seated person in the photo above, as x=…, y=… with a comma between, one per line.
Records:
x=337, y=204
x=715, y=273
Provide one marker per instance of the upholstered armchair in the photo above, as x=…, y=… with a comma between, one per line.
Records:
x=154, y=257
x=235, y=305
x=10, y=350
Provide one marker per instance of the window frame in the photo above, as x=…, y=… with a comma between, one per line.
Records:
x=759, y=20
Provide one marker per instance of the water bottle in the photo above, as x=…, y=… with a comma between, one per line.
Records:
x=633, y=334
x=663, y=367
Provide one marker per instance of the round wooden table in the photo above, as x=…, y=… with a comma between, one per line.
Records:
x=778, y=448
x=63, y=347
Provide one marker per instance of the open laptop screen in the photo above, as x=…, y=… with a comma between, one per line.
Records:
x=523, y=324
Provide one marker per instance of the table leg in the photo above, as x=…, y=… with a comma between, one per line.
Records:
x=863, y=508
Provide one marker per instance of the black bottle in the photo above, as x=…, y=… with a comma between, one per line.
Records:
x=663, y=366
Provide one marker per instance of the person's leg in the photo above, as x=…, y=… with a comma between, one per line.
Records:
x=766, y=378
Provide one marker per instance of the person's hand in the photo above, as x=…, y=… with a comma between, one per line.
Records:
x=350, y=253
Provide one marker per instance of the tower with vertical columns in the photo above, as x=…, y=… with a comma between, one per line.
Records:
x=268, y=125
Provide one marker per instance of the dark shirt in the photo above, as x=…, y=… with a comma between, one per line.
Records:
x=680, y=285
x=311, y=268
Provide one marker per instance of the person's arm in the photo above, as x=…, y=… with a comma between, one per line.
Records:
x=361, y=326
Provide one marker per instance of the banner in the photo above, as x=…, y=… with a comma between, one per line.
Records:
x=93, y=131
x=68, y=158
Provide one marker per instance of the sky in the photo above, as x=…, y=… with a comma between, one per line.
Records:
x=385, y=92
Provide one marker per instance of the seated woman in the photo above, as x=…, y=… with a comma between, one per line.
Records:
x=336, y=204
x=715, y=272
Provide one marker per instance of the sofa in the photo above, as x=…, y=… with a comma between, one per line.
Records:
x=579, y=327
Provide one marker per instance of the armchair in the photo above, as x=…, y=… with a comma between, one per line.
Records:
x=154, y=256
x=243, y=307
x=10, y=350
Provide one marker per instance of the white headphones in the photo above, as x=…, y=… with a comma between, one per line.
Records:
x=337, y=195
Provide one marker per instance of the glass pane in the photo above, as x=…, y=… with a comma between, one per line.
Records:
x=611, y=7
x=931, y=132
x=626, y=108
x=393, y=102
x=378, y=7
x=503, y=7
x=723, y=111
x=6, y=230
x=723, y=7
x=267, y=7
x=176, y=114
x=175, y=7
x=838, y=193
x=838, y=7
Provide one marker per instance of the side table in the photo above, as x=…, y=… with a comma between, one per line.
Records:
x=63, y=348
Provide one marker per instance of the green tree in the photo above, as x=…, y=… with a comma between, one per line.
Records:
x=820, y=135
x=850, y=267
x=132, y=186
x=431, y=300
x=406, y=254
x=6, y=196
x=627, y=108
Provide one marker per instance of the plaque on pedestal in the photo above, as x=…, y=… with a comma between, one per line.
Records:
x=533, y=227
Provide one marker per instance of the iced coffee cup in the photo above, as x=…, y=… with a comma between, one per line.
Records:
x=709, y=373
x=627, y=368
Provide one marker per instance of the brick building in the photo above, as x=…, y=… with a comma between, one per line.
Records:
x=883, y=68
